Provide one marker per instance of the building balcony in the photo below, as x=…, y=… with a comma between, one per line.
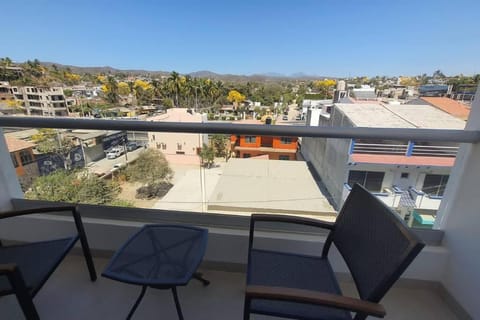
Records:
x=440, y=284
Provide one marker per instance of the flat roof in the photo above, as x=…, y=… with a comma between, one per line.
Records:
x=273, y=186
x=21, y=133
x=399, y=116
x=89, y=134
x=177, y=115
x=15, y=144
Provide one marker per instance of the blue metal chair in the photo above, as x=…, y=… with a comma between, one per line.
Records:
x=24, y=268
x=374, y=242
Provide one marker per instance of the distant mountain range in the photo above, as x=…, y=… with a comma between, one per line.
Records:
x=198, y=74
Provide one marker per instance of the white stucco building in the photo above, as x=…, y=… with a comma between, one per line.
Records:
x=178, y=147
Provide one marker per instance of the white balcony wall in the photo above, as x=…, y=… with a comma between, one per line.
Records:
x=8, y=178
x=459, y=216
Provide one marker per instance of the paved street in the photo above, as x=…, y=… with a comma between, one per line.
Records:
x=103, y=166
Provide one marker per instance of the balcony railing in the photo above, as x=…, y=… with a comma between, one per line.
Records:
x=434, y=151
x=244, y=204
x=460, y=136
x=397, y=149
x=410, y=149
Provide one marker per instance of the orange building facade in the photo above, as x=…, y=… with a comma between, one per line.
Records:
x=274, y=148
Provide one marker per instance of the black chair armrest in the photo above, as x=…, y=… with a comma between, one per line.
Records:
x=7, y=268
x=317, y=298
x=10, y=214
x=292, y=219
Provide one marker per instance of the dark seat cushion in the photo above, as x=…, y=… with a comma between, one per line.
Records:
x=272, y=268
x=36, y=261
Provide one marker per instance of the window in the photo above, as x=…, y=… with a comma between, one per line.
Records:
x=25, y=157
x=404, y=175
x=164, y=146
x=250, y=139
x=179, y=146
x=285, y=140
x=247, y=155
x=371, y=180
x=434, y=184
x=283, y=157
x=14, y=160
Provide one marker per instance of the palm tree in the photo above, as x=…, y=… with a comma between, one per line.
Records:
x=112, y=90
x=175, y=85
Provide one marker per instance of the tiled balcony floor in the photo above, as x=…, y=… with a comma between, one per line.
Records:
x=70, y=295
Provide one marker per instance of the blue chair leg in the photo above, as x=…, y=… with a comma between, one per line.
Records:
x=134, y=307
x=177, y=303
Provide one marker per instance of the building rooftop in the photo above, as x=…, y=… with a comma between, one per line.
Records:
x=15, y=144
x=399, y=116
x=255, y=185
x=450, y=106
x=20, y=134
x=178, y=115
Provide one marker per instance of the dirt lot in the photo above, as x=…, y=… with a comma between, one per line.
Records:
x=128, y=193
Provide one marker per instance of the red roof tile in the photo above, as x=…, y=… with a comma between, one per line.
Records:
x=403, y=160
x=450, y=106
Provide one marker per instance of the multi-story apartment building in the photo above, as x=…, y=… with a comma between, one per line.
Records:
x=5, y=93
x=274, y=148
x=6, y=99
x=269, y=147
x=41, y=101
x=404, y=174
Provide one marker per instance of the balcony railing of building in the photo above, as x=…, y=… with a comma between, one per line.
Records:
x=406, y=149
x=427, y=135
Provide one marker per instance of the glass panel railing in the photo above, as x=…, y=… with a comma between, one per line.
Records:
x=233, y=174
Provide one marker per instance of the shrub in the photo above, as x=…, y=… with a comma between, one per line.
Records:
x=154, y=190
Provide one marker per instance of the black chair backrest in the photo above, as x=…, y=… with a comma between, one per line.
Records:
x=375, y=243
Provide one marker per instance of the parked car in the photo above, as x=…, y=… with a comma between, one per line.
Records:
x=132, y=146
x=285, y=118
x=115, y=152
x=117, y=167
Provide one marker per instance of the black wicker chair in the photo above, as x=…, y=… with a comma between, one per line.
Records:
x=24, y=268
x=375, y=244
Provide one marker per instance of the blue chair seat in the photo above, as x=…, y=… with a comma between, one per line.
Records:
x=280, y=269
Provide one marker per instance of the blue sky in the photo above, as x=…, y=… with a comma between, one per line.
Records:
x=318, y=37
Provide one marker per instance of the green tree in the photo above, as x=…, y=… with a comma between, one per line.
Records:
x=52, y=141
x=67, y=92
x=5, y=73
x=207, y=154
x=174, y=85
x=150, y=167
x=73, y=187
x=219, y=143
x=110, y=90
